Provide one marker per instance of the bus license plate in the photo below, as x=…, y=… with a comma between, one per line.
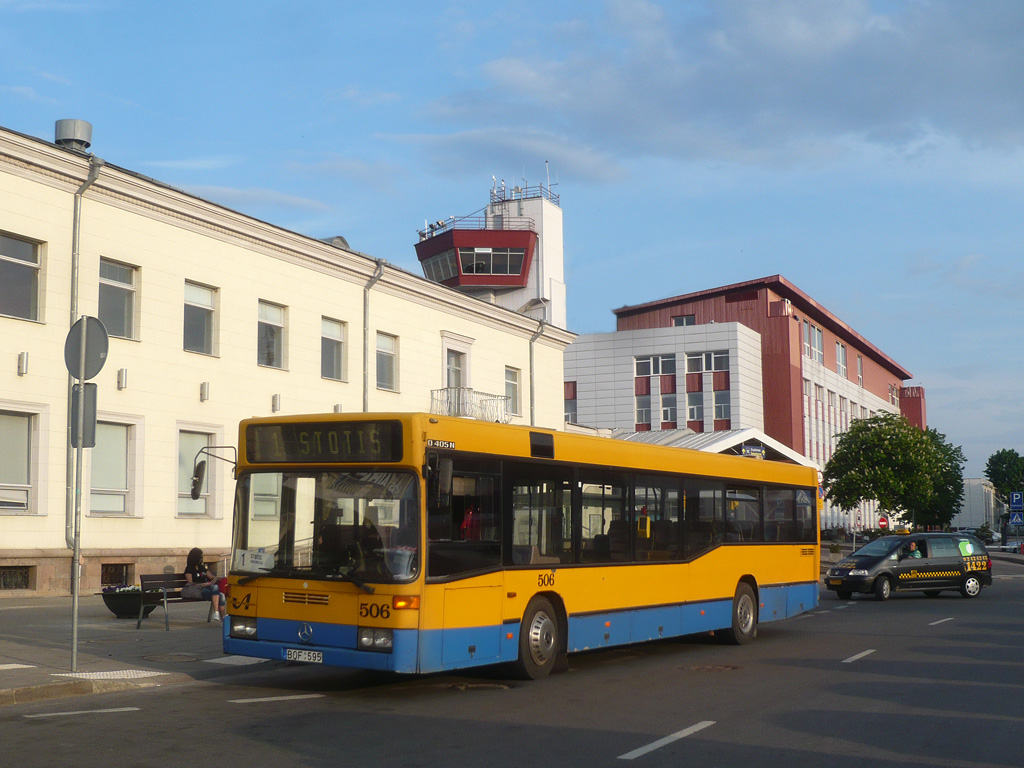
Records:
x=301, y=654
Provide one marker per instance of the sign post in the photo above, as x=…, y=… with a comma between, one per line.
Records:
x=85, y=352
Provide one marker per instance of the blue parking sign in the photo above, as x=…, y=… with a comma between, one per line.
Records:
x=1017, y=501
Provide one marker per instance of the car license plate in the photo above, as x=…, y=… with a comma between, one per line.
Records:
x=835, y=582
x=301, y=654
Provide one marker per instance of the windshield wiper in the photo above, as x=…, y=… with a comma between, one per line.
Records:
x=353, y=579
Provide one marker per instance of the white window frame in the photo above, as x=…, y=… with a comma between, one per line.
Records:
x=335, y=333
x=459, y=346
x=669, y=407
x=643, y=411
x=209, y=493
x=209, y=309
x=268, y=317
x=695, y=406
x=38, y=425
x=513, y=380
x=132, y=493
x=723, y=408
x=128, y=290
x=392, y=355
x=37, y=251
x=841, y=359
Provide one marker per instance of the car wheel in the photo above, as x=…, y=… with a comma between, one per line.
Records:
x=932, y=592
x=539, y=641
x=971, y=587
x=744, y=616
x=883, y=588
x=843, y=594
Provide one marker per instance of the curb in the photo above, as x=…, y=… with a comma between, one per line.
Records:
x=70, y=688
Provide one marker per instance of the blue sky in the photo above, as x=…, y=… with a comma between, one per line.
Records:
x=870, y=152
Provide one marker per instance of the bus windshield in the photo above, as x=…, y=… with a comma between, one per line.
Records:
x=357, y=526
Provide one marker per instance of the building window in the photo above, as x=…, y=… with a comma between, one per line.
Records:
x=655, y=365
x=110, y=484
x=722, y=405
x=270, y=335
x=841, y=359
x=819, y=393
x=831, y=399
x=699, y=362
x=455, y=366
x=860, y=370
x=332, y=349
x=894, y=395
x=668, y=408
x=695, y=406
x=492, y=261
x=571, y=412
x=512, y=389
x=189, y=445
x=117, y=298
x=199, y=316
x=814, y=342
x=19, y=278
x=441, y=267
x=643, y=409
x=684, y=320
x=387, y=362
x=16, y=464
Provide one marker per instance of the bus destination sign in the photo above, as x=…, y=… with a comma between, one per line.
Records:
x=324, y=442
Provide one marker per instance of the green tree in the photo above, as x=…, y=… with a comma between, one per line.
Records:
x=1005, y=470
x=913, y=474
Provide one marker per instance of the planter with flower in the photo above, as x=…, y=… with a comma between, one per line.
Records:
x=123, y=601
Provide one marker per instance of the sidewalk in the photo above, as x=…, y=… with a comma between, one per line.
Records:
x=35, y=648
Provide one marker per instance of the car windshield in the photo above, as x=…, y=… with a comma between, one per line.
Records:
x=878, y=547
x=355, y=526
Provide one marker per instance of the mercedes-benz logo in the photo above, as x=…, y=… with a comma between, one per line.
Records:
x=306, y=633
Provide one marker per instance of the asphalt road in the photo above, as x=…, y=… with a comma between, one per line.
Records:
x=910, y=682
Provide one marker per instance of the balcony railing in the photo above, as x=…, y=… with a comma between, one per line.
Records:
x=466, y=402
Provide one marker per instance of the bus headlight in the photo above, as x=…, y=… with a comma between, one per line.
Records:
x=374, y=639
x=243, y=627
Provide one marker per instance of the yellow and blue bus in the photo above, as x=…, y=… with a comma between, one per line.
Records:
x=417, y=543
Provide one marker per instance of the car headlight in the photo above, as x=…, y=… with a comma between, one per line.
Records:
x=243, y=627
x=374, y=639
x=858, y=572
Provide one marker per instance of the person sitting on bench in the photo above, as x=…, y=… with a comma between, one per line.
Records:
x=201, y=583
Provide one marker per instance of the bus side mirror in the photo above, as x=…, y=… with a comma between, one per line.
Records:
x=198, y=476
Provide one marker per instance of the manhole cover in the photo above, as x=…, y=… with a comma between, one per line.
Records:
x=172, y=657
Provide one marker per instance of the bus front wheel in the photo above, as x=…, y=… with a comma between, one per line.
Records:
x=539, y=641
x=744, y=616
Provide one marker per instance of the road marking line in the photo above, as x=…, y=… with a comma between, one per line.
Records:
x=940, y=621
x=86, y=712
x=17, y=666
x=667, y=740
x=859, y=656
x=276, y=698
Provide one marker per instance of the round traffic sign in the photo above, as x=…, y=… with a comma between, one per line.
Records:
x=93, y=350
x=883, y=523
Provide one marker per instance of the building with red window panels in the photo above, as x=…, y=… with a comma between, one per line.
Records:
x=759, y=354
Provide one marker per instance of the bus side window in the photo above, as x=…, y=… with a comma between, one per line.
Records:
x=704, y=516
x=606, y=520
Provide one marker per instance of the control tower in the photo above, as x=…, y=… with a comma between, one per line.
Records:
x=508, y=253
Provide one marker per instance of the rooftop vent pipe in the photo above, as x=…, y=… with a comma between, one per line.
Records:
x=73, y=134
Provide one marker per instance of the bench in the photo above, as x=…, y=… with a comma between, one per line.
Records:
x=161, y=589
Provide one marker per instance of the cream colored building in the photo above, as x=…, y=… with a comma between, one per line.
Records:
x=212, y=317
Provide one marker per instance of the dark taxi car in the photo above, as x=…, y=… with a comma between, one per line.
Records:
x=930, y=562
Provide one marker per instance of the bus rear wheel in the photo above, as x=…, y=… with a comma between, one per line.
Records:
x=539, y=640
x=744, y=616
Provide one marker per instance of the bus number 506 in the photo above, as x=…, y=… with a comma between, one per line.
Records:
x=546, y=580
